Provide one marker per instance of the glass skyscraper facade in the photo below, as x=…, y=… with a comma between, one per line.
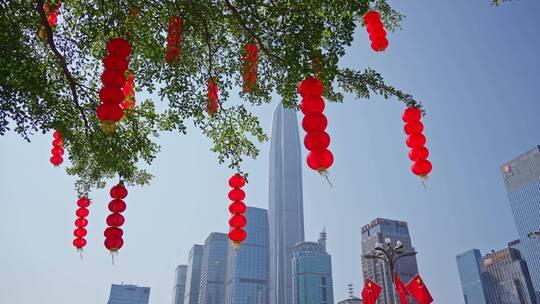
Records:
x=522, y=180
x=129, y=294
x=193, y=277
x=286, y=214
x=377, y=271
x=179, y=288
x=472, y=282
x=312, y=273
x=214, y=269
x=248, y=266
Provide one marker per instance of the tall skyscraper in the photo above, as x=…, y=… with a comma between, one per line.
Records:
x=129, y=294
x=286, y=214
x=312, y=273
x=522, y=180
x=472, y=281
x=376, y=232
x=179, y=288
x=193, y=277
x=248, y=266
x=497, y=278
x=214, y=269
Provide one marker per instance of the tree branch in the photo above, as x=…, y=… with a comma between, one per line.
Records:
x=62, y=61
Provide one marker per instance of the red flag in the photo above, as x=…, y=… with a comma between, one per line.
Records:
x=419, y=290
x=401, y=289
x=371, y=292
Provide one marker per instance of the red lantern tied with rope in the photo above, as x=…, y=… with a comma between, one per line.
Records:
x=238, y=221
x=129, y=94
x=80, y=231
x=212, y=103
x=249, y=67
x=58, y=149
x=375, y=29
x=113, y=234
x=174, y=38
x=416, y=142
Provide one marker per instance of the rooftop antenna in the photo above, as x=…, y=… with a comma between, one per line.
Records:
x=351, y=291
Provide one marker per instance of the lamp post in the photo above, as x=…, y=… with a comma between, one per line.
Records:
x=389, y=254
x=534, y=235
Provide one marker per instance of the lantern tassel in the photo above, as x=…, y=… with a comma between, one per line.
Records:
x=80, y=250
x=325, y=174
x=424, y=179
x=235, y=245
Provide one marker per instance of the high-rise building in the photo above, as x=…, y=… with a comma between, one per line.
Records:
x=129, y=294
x=351, y=301
x=472, y=282
x=179, y=288
x=248, y=266
x=377, y=271
x=522, y=181
x=507, y=278
x=214, y=269
x=193, y=277
x=312, y=273
x=286, y=214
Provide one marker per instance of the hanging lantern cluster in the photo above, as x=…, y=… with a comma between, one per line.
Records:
x=109, y=111
x=129, y=94
x=174, y=38
x=249, y=67
x=113, y=234
x=237, y=208
x=212, y=102
x=416, y=141
x=315, y=123
x=58, y=149
x=375, y=29
x=81, y=222
x=51, y=11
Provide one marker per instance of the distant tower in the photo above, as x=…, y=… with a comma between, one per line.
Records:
x=286, y=213
x=214, y=269
x=179, y=288
x=193, y=277
x=128, y=294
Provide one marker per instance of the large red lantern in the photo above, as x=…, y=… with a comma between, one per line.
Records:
x=109, y=112
x=375, y=28
x=58, y=149
x=174, y=39
x=315, y=123
x=113, y=234
x=416, y=141
x=212, y=103
x=80, y=231
x=249, y=67
x=237, y=208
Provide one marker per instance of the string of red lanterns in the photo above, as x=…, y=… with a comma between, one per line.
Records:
x=129, y=94
x=174, y=38
x=58, y=149
x=212, y=103
x=249, y=67
x=416, y=141
x=375, y=28
x=52, y=11
x=237, y=208
x=113, y=234
x=109, y=111
x=80, y=223
x=315, y=123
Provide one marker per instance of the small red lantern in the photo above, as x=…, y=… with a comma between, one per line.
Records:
x=250, y=61
x=52, y=11
x=174, y=39
x=80, y=232
x=375, y=28
x=129, y=94
x=213, y=101
x=58, y=149
x=315, y=123
x=237, y=208
x=416, y=141
x=113, y=234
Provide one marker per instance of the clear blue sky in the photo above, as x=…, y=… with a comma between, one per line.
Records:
x=475, y=67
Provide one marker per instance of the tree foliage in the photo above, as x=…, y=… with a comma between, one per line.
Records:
x=52, y=83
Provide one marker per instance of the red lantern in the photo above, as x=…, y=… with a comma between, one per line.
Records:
x=174, y=38
x=51, y=12
x=113, y=234
x=416, y=141
x=119, y=46
x=238, y=220
x=375, y=29
x=237, y=181
x=249, y=67
x=80, y=232
x=314, y=121
x=316, y=140
x=213, y=102
x=128, y=92
x=58, y=149
x=237, y=209
x=320, y=160
x=237, y=235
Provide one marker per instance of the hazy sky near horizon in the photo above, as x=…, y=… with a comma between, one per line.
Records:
x=476, y=69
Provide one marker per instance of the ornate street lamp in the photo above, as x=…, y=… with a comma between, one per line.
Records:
x=534, y=235
x=389, y=254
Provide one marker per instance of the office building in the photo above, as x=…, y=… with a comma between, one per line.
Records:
x=179, y=288
x=286, y=215
x=129, y=294
x=377, y=271
x=248, y=266
x=522, y=180
x=193, y=277
x=214, y=269
x=312, y=273
x=472, y=282
x=351, y=301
